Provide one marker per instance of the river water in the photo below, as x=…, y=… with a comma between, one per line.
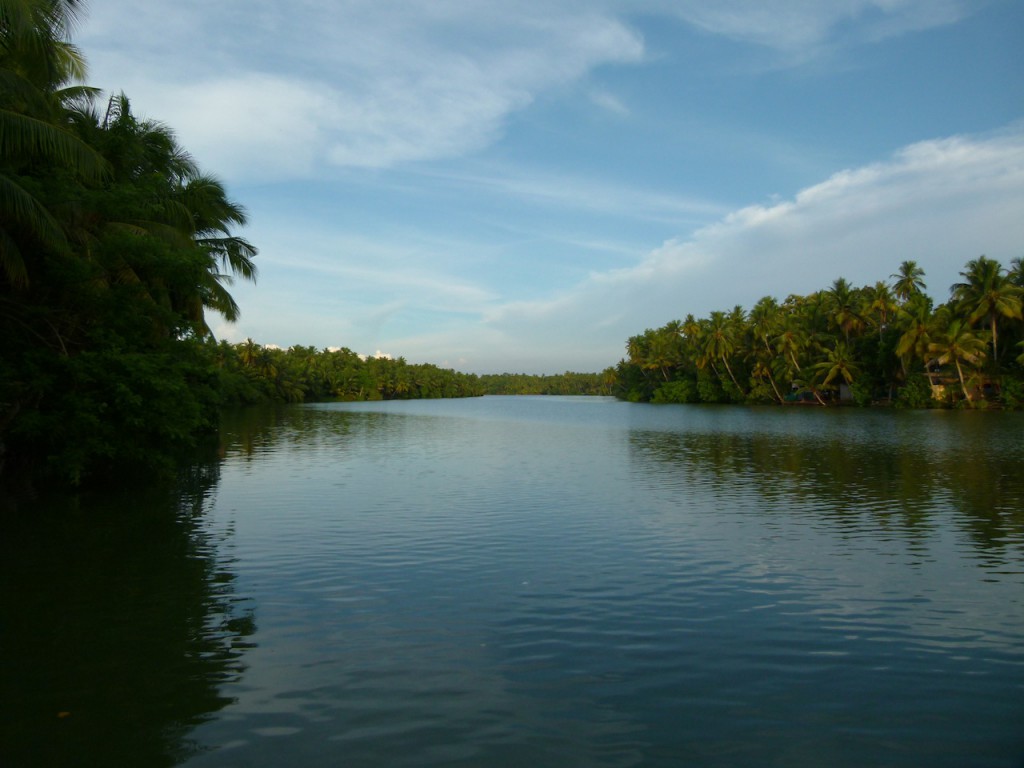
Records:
x=514, y=581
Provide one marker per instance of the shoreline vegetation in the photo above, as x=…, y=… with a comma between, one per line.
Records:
x=881, y=344
x=114, y=246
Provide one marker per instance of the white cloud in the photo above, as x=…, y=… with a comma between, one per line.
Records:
x=369, y=85
x=940, y=203
x=376, y=84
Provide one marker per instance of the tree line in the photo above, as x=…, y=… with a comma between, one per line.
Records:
x=251, y=373
x=882, y=343
x=568, y=383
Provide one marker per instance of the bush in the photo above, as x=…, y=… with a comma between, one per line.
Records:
x=681, y=391
x=916, y=393
x=1012, y=393
x=709, y=387
x=112, y=416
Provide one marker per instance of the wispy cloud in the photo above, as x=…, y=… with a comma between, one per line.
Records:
x=380, y=84
x=371, y=85
x=568, y=191
x=808, y=26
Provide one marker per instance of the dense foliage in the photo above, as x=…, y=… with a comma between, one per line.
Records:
x=113, y=245
x=568, y=383
x=250, y=373
x=885, y=342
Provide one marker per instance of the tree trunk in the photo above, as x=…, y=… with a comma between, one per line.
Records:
x=963, y=386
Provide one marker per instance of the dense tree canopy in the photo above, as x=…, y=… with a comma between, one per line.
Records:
x=878, y=343
x=113, y=247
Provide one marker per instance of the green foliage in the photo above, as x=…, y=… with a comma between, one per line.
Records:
x=709, y=387
x=760, y=393
x=873, y=341
x=568, y=383
x=915, y=393
x=251, y=373
x=1012, y=394
x=679, y=391
x=109, y=415
x=112, y=247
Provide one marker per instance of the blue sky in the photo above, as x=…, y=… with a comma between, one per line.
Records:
x=521, y=186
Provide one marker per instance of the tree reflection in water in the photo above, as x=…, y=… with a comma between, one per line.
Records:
x=907, y=483
x=119, y=625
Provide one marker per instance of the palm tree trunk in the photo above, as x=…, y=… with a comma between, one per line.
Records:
x=735, y=383
x=963, y=386
x=772, y=380
x=995, y=344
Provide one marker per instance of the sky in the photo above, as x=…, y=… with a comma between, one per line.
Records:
x=522, y=185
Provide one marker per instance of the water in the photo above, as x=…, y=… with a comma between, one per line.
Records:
x=537, y=581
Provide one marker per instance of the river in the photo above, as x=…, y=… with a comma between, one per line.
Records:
x=534, y=581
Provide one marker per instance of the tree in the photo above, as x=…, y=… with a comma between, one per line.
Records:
x=719, y=342
x=987, y=293
x=839, y=363
x=764, y=319
x=842, y=301
x=37, y=66
x=957, y=344
x=918, y=322
x=909, y=281
x=179, y=204
x=879, y=305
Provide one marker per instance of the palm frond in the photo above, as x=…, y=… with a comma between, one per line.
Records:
x=24, y=137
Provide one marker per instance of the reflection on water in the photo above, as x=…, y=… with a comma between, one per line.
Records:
x=538, y=581
x=581, y=582
x=119, y=627
x=859, y=473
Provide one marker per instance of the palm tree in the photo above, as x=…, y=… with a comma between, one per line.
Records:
x=764, y=319
x=839, y=363
x=791, y=341
x=909, y=281
x=719, y=342
x=37, y=65
x=879, y=305
x=916, y=317
x=1016, y=271
x=987, y=294
x=165, y=196
x=843, y=311
x=957, y=344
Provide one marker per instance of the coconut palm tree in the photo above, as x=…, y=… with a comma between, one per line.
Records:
x=988, y=294
x=843, y=307
x=839, y=363
x=720, y=342
x=1016, y=272
x=38, y=65
x=909, y=281
x=879, y=305
x=792, y=340
x=918, y=323
x=957, y=344
x=764, y=320
x=162, y=194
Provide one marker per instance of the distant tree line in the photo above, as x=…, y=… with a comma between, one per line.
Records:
x=568, y=383
x=881, y=343
x=251, y=373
